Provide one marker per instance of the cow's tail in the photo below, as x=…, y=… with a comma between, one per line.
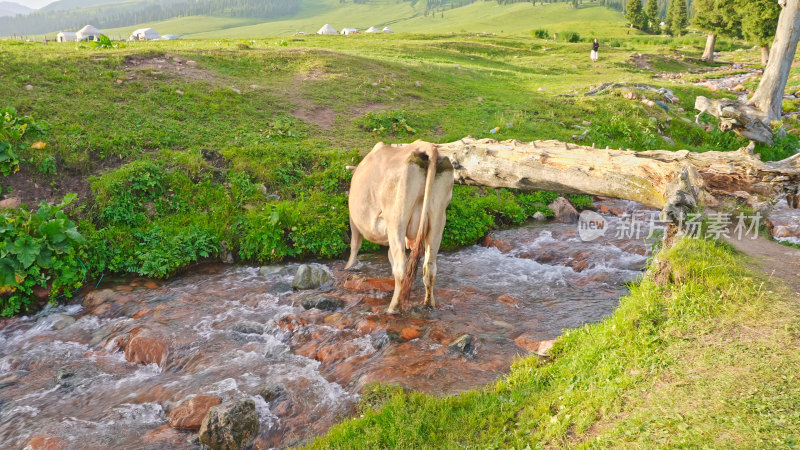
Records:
x=418, y=246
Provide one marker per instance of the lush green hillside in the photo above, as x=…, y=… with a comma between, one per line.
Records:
x=483, y=16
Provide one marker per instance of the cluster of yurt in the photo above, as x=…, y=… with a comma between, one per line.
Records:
x=327, y=29
x=144, y=34
x=87, y=33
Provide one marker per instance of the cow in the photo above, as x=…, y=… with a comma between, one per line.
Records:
x=398, y=198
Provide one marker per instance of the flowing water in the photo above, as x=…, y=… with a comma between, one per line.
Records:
x=231, y=330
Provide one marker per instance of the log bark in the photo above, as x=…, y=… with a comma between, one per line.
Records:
x=708, y=53
x=768, y=98
x=764, y=54
x=746, y=121
x=677, y=182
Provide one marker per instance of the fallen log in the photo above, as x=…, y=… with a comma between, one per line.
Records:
x=744, y=120
x=676, y=181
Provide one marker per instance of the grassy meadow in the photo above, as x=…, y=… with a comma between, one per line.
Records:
x=236, y=151
x=240, y=155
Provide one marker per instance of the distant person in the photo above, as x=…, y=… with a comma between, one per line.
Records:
x=595, y=50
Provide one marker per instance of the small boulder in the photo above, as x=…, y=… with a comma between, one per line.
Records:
x=310, y=277
x=95, y=298
x=464, y=345
x=563, y=210
x=410, y=333
x=40, y=442
x=146, y=347
x=539, y=217
x=189, y=415
x=191, y=63
x=269, y=391
x=534, y=346
x=232, y=425
x=325, y=303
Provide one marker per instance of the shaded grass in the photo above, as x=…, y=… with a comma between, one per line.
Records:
x=705, y=358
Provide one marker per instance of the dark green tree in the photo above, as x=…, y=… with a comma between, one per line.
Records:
x=717, y=17
x=759, y=22
x=677, y=17
x=635, y=14
x=652, y=16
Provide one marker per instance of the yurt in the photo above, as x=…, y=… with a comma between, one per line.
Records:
x=327, y=29
x=66, y=36
x=387, y=30
x=88, y=33
x=372, y=30
x=144, y=34
x=349, y=31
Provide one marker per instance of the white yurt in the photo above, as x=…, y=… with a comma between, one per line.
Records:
x=387, y=30
x=372, y=30
x=349, y=31
x=88, y=33
x=327, y=29
x=144, y=34
x=66, y=36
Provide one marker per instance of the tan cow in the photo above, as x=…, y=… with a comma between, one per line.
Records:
x=398, y=199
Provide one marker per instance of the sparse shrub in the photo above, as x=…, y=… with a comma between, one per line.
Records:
x=540, y=33
x=13, y=129
x=783, y=146
x=571, y=36
x=47, y=165
x=38, y=250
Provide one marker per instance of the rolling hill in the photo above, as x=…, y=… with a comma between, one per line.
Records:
x=10, y=9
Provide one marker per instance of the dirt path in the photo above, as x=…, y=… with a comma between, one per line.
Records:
x=776, y=260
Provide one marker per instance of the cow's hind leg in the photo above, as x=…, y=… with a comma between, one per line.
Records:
x=397, y=256
x=355, y=245
x=429, y=266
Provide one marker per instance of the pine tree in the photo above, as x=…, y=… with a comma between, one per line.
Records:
x=676, y=17
x=759, y=22
x=652, y=15
x=635, y=14
x=717, y=17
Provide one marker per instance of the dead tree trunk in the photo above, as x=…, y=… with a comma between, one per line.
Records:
x=708, y=53
x=677, y=182
x=752, y=120
x=769, y=95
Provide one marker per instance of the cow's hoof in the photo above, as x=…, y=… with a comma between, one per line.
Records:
x=393, y=312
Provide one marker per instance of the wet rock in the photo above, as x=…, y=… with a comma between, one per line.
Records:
x=8, y=380
x=563, y=210
x=279, y=288
x=59, y=321
x=269, y=391
x=361, y=284
x=266, y=271
x=189, y=415
x=246, y=329
x=231, y=425
x=164, y=437
x=539, y=217
x=366, y=326
x=333, y=318
x=147, y=347
x=531, y=345
x=40, y=442
x=95, y=298
x=310, y=277
x=500, y=244
x=509, y=300
x=383, y=338
x=410, y=333
x=464, y=345
x=325, y=303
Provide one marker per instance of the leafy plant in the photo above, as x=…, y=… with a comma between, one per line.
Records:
x=104, y=41
x=38, y=249
x=387, y=122
x=571, y=36
x=540, y=33
x=47, y=165
x=12, y=130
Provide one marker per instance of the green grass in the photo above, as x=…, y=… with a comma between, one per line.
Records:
x=260, y=173
x=402, y=17
x=706, y=358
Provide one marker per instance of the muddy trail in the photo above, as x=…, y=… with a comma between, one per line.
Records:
x=112, y=369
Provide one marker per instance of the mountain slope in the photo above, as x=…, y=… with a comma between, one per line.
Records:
x=10, y=9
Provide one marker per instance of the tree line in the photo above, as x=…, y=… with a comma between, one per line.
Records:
x=752, y=20
x=124, y=14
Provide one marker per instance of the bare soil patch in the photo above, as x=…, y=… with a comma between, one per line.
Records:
x=776, y=260
x=166, y=64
